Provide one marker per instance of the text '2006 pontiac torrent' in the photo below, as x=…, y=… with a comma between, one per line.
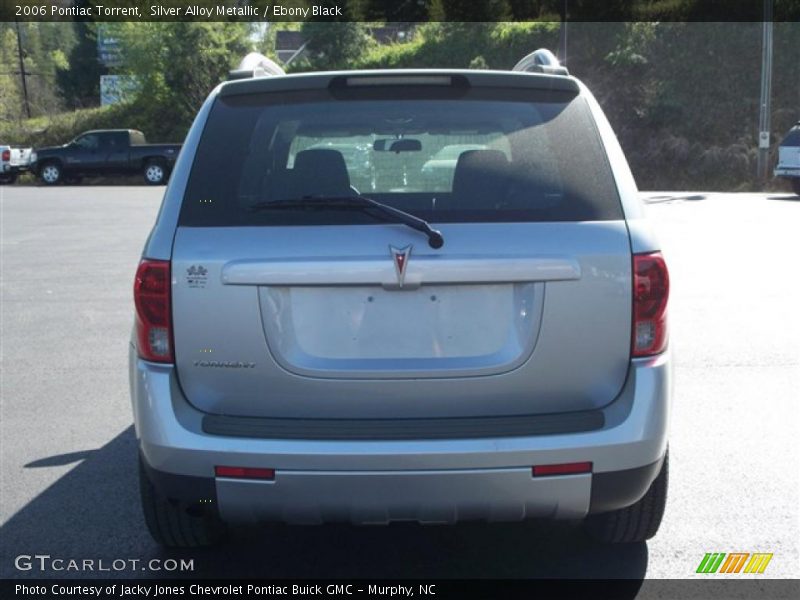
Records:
x=324, y=335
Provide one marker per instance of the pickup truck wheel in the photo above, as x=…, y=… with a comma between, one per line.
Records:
x=796, y=185
x=175, y=524
x=635, y=523
x=50, y=173
x=8, y=178
x=155, y=173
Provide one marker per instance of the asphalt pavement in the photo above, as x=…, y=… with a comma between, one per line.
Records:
x=68, y=452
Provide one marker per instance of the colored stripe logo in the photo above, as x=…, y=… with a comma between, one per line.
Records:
x=734, y=562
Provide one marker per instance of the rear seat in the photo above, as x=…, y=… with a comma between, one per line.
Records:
x=480, y=174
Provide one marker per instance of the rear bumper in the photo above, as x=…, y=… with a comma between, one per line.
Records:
x=787, y=171
x=431, y=480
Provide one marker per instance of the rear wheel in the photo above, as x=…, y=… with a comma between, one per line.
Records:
x=176, y=524
x=796, y=185
x=50, y=173
x=635, y=523
x=155, y=173
x=8, y=178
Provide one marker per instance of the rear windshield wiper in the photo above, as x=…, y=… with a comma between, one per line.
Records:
x=354, y=202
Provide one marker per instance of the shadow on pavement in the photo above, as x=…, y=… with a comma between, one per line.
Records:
x=789, y=196
x=59, y=460
x=93, y=512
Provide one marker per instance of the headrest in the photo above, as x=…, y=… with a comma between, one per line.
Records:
x=321, y=172
x=477, y=171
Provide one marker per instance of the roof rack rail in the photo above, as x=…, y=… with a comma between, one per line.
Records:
x=255, y=65
x=541, y=61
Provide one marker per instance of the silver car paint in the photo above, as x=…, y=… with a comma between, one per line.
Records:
x=159, y=243
x=425, y=496
x=539, y=368
x=169, y=432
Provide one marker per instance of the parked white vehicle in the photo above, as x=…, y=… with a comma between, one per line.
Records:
x=789, y=158
x=13, y=161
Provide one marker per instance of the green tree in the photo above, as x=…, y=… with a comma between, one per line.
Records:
x=42, y=54
x=10, y=93
x=335, y=45
x=79, y=80
x=177, y=64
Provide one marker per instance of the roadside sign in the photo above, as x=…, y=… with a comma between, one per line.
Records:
x=117, y=88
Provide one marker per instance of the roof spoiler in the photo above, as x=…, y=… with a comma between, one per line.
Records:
x=541, y=61
x=255, y=65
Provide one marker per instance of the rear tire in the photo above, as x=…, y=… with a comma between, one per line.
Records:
x=796, y=185
x=51, y=173
x=8, y=178
x=155, y=173
x=635, y=523
x=176, y=524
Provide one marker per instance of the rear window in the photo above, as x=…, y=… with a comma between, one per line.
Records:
x=446, y=156
x=792, y=138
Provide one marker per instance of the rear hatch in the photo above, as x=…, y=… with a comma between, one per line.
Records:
x=335, y=312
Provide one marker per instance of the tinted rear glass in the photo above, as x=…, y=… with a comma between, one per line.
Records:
x=446, y=156
x=792, y=138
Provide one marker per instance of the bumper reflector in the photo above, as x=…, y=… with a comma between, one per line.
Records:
x=244, y=472
x=563, y=469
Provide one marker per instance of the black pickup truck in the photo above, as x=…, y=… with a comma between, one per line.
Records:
x=107, y=152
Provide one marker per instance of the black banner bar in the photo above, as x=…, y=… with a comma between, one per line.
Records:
x=398, y=11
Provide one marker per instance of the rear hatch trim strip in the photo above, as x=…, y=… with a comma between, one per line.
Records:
x=381, y=271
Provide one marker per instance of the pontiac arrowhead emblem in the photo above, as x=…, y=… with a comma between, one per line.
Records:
x=400, y=258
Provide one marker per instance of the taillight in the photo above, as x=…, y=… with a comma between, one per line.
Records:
x=6, y=155
x=650, y=294
x=151, y=294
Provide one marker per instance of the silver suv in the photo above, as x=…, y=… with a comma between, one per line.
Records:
x=305, y=351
